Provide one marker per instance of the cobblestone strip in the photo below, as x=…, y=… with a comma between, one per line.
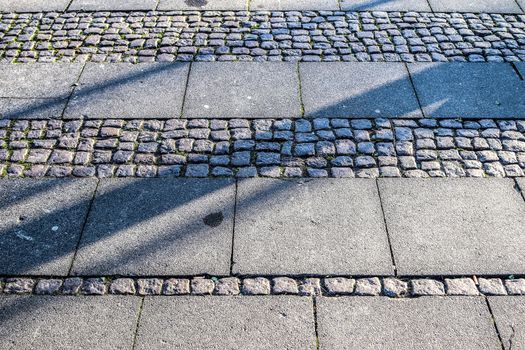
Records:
x=366, y=148
x=261, y=36
x=311, y=286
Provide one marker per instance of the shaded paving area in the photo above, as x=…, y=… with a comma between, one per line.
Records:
x=261, y=36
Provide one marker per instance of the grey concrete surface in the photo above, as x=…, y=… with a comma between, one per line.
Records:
x=158, y=227
x=242, y=90
x=39, y=322
x=385, y=5
x=489, y=90
x=32, y=108
x=202, y=5
x=41, y=224
x=486, y=6
x=509, y=314
x=455, y=226
x=322, y=226
x=129, y=91
x=357, y=89
x=38, y=80
x=521, y=68
x=421, y=323
x=112, y=5
x=197, y=323
x=33, y=5
x=521, y=184
x=287, y=5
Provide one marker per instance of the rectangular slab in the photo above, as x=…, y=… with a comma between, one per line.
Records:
x=158, y=227
x=146, y=90
x=112, y=5
x=203, y=5
x=33, y=5
x=357, y=89
x=423, y=323
x=38, y=80
x=65, y=322
x=248, y=323
x=455, y=226
x=32, y=108
x=385, y=5
x=468, y=90
x=289, y=5
x=242, y=90
x=323, y=226
x=487, y=6
x=520, y=66
x=41, y=224
x=509, y=314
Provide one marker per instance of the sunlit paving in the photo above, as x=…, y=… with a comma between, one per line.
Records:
x=262, y=174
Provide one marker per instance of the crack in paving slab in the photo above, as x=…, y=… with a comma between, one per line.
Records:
x=364, y=148
x=263, y=285
x=260, y=36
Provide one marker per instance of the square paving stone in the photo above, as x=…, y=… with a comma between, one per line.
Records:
x=31, y=108
x=242, y=90
x=62, y=322
x=288, y=5
x=385, y=5
x=277, y=322
x=33, y=5
x=487, y=6
x=509, y=314
x=158, y=227
x=418, y=323
x=112, y=5
x=467, y=90
x=323, y=226
x=357, y=89
x=41, y=224
x=146, y=90
x=203, y=5
x=455, y=226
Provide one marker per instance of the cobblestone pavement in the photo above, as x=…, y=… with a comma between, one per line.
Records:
x=261, y=36
x=272, y=148
x=307, y=286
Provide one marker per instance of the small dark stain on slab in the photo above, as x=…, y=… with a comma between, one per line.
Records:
x=196, y=3
x=213, y=219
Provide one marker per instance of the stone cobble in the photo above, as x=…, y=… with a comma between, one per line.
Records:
x=229, y=286
x=260, y=36
x=365, y=148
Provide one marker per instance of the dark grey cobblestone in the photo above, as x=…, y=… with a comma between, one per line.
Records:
x=260, y=36
x=308, y=286
x=366, y=148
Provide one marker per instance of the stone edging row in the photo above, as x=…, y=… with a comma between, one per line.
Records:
x=365, y=148
x=261, y=36
x=313, y=286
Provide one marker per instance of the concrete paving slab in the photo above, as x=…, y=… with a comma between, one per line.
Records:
x=486, y=6
x=455, y=226
x=243, y=90
x=111, y=5
x=385, y=5
x=419, y=323
x=203, y=5
x=158, y=227
x=38, y=80
x=290, y=5
x=520, y=66
x=33, y=5
x=357, y=89
x=41, y=224
x=146, y=90
x=509, y=314
x=468, y=90
x=522, y=4
x=54, y=322
x=521, y=184
x=323, y=226
x=280, y=322
x=31, y=108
